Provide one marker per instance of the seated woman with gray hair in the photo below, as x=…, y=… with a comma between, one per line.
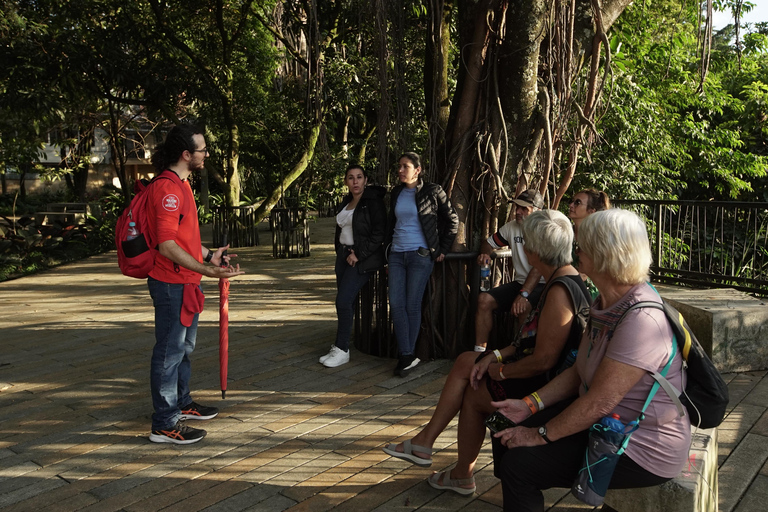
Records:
x=550, y=333
x=611, y=376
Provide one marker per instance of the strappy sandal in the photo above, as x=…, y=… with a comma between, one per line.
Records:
x=449, y=484
x=407, y=453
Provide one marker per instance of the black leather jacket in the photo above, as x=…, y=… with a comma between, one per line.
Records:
x=368, y=228
x=439, y=221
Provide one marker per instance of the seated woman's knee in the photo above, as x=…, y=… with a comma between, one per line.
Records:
x=464, y=363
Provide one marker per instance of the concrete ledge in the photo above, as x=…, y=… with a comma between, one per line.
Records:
x=694, y=490
x=732, y=326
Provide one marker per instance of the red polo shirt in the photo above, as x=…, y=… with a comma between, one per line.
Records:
x=172, y=215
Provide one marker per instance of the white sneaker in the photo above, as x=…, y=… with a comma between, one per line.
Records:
x=329, y=354
x=338, y=357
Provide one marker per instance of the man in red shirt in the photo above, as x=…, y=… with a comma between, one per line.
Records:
x=174, y=284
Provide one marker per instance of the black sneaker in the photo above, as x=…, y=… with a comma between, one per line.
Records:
x=408, y=363
x=179, y=434
x=195, y=411
x=402, y=362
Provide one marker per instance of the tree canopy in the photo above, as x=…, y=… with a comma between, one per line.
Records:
x=643, y=100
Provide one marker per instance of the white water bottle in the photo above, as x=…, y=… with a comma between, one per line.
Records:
x=485, y=277
x=132, y=231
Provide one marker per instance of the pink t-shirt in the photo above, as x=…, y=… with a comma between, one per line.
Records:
x=643, y=339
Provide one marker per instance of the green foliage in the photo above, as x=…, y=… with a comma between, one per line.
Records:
x=666, y=136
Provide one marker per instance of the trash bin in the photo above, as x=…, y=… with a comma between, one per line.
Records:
x=235, y=225
x=290, y=232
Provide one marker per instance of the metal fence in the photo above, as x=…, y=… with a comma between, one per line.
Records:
x=709, y=243
x=445, y=331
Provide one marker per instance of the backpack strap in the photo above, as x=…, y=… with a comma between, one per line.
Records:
x=579, y=300
x=660, y=377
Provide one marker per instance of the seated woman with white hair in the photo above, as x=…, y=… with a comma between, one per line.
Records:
x=551, y=332
x=611, y=375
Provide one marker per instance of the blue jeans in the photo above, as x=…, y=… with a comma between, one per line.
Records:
x=408, y=277
x=170, y=368
x=348, y=284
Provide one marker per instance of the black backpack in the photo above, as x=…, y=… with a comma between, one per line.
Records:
x=706, y=394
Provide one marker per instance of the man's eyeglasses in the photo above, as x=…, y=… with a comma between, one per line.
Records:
x=204, y=150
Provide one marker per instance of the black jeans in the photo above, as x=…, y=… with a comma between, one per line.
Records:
x=524, y=472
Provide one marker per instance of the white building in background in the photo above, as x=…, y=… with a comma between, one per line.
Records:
x=102, y=171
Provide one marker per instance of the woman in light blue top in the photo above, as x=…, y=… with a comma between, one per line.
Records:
x=423, y=226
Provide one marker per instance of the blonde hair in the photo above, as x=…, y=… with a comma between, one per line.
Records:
x=617, y=242
x=549, y=235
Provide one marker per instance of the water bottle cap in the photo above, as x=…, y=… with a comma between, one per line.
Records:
x=615, y=416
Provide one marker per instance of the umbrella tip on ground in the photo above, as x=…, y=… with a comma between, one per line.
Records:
x=223, y=394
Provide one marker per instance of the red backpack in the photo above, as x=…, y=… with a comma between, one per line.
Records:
x=136, y=256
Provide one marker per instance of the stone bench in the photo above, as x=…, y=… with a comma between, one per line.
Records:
x=694, y=490
x=67, y=213
x=731, y=326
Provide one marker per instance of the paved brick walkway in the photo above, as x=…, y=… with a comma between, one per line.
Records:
x=292, y=435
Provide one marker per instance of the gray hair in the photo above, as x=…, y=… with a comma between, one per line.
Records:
x=549, y=235
x=617, y=242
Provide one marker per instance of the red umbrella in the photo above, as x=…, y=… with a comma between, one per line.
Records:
x=223, y=334
x=223, y=326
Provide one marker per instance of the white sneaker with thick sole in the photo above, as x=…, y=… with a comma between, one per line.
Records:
x=329, y=354
x=338, y=358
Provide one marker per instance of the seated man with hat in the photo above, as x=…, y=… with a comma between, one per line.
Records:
x=519, y=296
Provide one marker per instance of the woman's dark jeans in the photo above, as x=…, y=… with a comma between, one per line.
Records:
x=408, y=277
x=349, y=282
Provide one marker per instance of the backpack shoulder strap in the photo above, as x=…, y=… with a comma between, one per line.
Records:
x=579, y=300
x=660, y=377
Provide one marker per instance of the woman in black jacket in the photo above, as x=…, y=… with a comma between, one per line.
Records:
x=423, y=226
x=360, y=231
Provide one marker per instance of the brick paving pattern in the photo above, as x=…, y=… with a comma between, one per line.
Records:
x=292, y=434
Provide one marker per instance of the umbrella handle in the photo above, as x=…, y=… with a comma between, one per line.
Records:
x=224, y=263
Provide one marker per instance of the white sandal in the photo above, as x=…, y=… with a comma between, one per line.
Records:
x=407, y=453
x=449, y=484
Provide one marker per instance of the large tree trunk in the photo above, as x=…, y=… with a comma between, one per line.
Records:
x=500, y=119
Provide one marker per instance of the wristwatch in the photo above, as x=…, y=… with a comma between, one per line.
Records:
x=543, y=433
x=524, y=294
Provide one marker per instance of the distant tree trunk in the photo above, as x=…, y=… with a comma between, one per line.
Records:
x=436, y=93
x=117, y=149
x=382, y=54
x=311, y=142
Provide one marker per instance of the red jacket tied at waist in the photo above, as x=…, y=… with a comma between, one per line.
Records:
x=192, y=303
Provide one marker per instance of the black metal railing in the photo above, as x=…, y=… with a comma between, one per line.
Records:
x=235, y=225
x=448, y=310
x=290, y=232
x=708, y=243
